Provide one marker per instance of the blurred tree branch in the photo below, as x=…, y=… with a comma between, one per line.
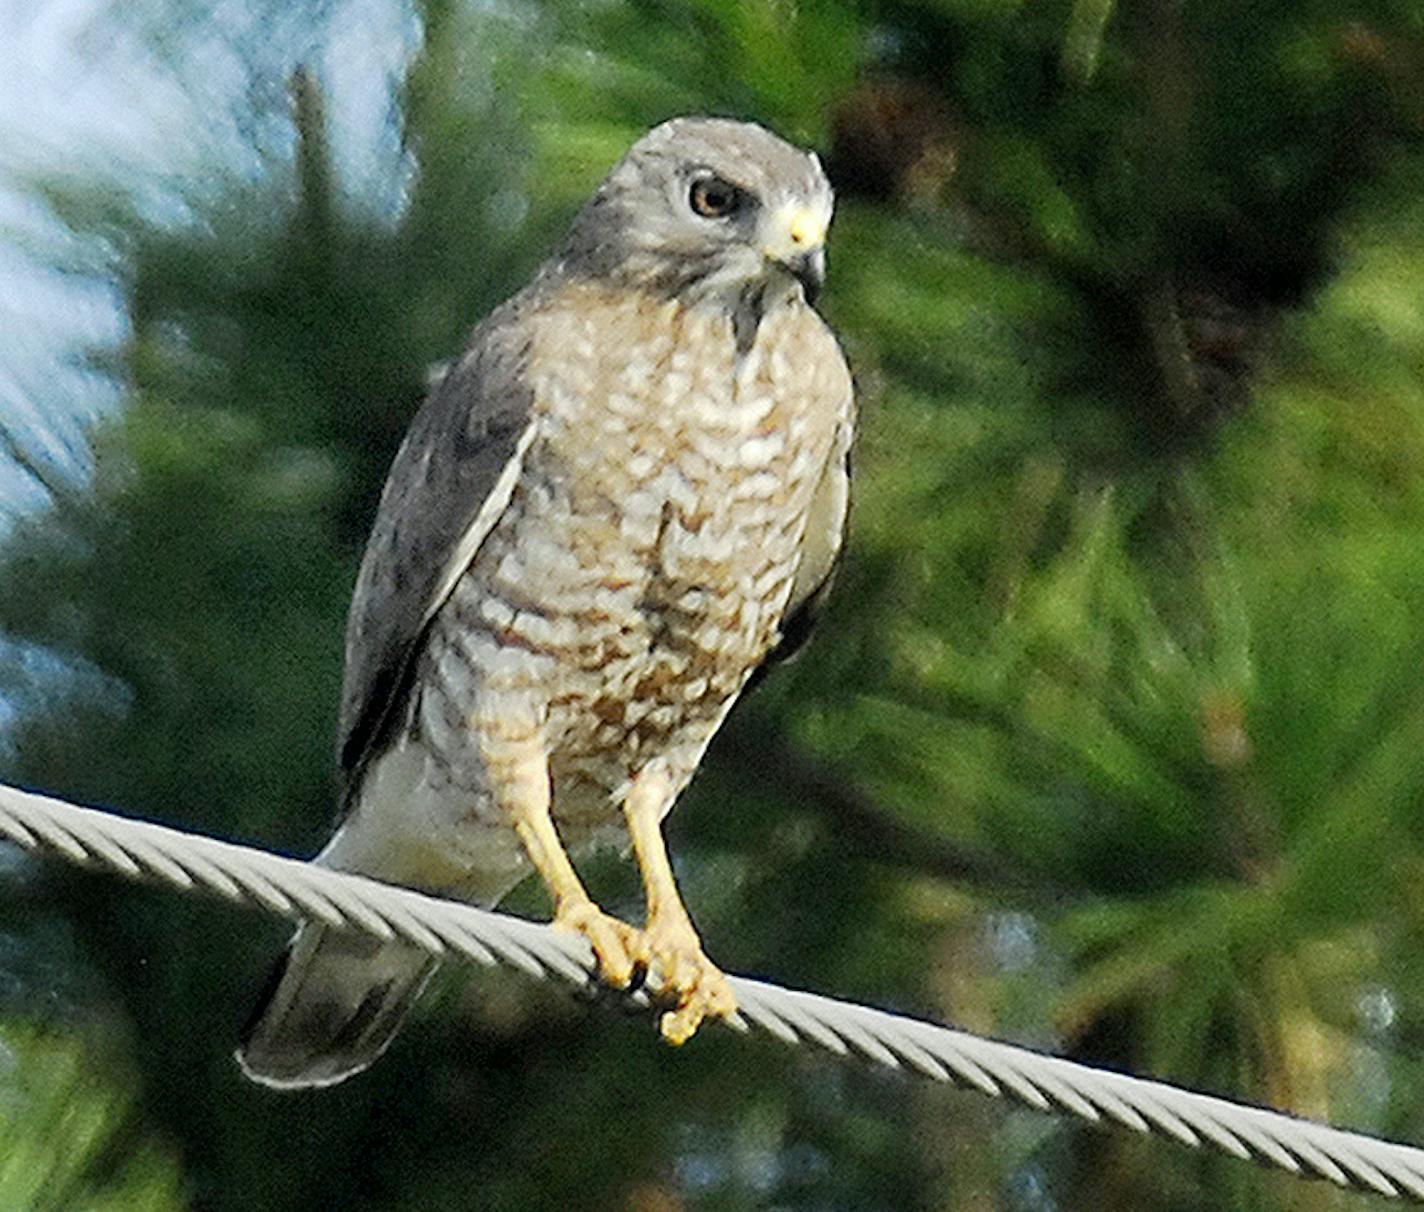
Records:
x=767, y=756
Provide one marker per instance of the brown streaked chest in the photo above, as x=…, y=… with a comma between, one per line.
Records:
x=650, y=547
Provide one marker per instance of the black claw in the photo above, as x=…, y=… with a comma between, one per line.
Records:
x=639, y=978
x=598, y=991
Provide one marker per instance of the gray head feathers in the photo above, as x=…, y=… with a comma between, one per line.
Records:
x=705, y=208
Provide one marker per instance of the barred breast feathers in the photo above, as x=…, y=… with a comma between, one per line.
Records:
x=616, y=382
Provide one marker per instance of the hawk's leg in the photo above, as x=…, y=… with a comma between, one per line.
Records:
x=519, y=771
x=668, y=946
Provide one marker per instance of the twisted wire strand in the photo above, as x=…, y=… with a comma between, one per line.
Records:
x=141, y=850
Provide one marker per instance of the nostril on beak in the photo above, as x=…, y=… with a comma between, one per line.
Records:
x=804, y=229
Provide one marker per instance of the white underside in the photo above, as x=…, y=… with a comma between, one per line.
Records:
x=411, y=827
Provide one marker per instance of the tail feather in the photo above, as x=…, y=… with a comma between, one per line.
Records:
x=330, y=1008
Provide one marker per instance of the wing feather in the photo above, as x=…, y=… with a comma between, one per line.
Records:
x=451, y=480
x=820, y=549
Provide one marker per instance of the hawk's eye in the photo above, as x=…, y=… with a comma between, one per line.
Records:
x=713, y=198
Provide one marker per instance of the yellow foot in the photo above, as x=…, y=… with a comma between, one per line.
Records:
x=678, y=969
x=614, y=943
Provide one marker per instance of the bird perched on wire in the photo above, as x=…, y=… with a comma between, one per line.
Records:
x=624, y=498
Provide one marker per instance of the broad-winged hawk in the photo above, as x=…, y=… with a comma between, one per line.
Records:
x=625, y=497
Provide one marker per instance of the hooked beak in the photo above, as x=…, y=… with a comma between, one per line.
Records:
x=810, y=270
x=797, y=241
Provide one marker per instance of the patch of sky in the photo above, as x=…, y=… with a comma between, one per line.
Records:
x=151, y=106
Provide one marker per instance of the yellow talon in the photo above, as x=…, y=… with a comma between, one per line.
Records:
x=712, y=998
x=679, y=969
x=614, y=943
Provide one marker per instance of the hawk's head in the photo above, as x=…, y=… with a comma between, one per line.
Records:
x=708, y=209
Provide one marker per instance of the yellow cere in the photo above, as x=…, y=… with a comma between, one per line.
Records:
x=807, y=227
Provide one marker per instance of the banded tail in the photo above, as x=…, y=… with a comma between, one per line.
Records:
x=332, y=1005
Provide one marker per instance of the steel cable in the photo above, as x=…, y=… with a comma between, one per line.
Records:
x=145, y=851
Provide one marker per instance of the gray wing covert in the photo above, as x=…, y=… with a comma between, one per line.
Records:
x=820, y=550
x=461, y=455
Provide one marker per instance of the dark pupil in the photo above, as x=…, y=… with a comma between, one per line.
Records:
x=714, y=198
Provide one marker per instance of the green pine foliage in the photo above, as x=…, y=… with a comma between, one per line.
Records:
x=68, y=1137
